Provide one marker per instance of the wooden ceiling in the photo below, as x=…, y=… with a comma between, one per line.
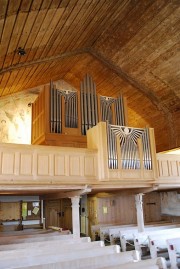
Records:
x=128, y=46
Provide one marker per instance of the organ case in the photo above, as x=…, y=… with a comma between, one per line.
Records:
x=61, y=116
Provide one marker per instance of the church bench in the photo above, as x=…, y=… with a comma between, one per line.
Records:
x=128, y=235
x=158, y=242
x=157, y=263
x=11, y=241
x=145, y=238
x=60, y=255
x=26, y=232
x=35, y=250
x=58, y=242
x=88, y=260
x=95, y=229
x=32, y=235
x=174, y=251
x=114, y=231
x=104, y=231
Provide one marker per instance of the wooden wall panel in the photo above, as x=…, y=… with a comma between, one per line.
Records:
x=89, y=166
x=10, y=211
x=60, y=165
x=26, y=164
x=168, y=166
x=75, y=166
x=8, y=163
x=43, y=164
x=19, y=162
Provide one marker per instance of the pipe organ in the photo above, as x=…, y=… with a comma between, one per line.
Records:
x=68, y=114
x=128, y=143
x=69, y=99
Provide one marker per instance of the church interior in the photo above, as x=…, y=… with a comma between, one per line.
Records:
x=89, y=134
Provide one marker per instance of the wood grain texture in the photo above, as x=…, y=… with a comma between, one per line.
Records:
x=129, y=47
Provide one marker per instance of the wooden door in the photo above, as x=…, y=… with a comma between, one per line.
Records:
x=58, y=213
x=152, y=207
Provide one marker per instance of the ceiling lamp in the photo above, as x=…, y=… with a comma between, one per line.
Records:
x=21, y=51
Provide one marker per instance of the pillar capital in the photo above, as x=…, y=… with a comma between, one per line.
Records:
x=75, y=200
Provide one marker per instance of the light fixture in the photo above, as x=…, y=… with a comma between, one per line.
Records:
x=21, y=51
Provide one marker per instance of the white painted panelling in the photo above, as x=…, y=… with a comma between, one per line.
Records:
x=60, y=165
x=89, y=166
x=75, y=166
x=43, y=164
x=8, y=162
x=26, y=164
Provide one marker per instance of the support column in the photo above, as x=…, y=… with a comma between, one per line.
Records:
x=139, y=212
x=75, y=216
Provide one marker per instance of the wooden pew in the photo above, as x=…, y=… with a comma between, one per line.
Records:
x=158, y=242
x=35, y=250
x=32, y=235
x=58, y=242
x=104, y=231
x=128, y=235
x=174, y=251
x=60, y=255
x=152, y=239
x=158, y=263
x=11, y=241
x=81, y=260
x=114, y=231
x=95, y=229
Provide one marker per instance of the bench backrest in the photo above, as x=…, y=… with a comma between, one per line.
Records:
x=49, y=242
x=159, y=241
x=50, y=249
x=91, y=262
x=173, y=249
x=57, y=257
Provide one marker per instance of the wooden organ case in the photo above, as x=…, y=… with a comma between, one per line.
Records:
x=61, y=117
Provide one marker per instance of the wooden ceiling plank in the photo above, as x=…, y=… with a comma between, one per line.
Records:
x=27, y=76
x=66, y=7
x=6, y=35
x=33, y=33
x=89, y=34
x=14, y=87
x=83, y=19
x=60, y=28
x=26, y=5
x=36, y=5
x=146, y=32
x=44, y=26
x=77, y=14
x=20, y=87
x=10, y=82
x=49, y=32
x=46, y=4
x=124, y=31
x=25, y=34
x=14, y=41
x=1, y=28
x=47, y=72
x=166, y=42
x=4, y=80
x=38, y=73
x=13, y=7
x=3, y=9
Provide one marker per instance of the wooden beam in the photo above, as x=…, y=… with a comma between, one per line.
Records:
x=68, y=194
x=44, y=60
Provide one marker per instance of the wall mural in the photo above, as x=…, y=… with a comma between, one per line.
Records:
x=15, y=117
